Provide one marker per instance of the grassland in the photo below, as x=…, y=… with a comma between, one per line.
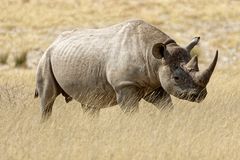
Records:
x=209, y=130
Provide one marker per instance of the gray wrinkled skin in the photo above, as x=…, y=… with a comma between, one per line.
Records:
x=120, y=64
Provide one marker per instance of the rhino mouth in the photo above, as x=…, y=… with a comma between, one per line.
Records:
x=193, y=96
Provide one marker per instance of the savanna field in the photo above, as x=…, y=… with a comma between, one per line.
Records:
x=207, y=130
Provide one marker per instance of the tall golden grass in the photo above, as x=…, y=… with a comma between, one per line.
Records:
x=209, y=130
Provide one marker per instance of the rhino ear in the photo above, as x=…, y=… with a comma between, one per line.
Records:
x=159, y=50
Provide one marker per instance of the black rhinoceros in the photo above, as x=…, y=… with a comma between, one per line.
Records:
x=120, y=64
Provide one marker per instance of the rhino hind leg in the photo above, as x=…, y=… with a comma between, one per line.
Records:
x=160, y=99
x=48, y=94
x=46, y=108
x=47, y=88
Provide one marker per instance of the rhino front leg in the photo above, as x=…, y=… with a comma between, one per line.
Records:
x=160, y=98
x=128, y=98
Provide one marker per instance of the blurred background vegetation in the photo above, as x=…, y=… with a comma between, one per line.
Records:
x=30, y=25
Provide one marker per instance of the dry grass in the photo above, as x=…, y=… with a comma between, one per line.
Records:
x=209, y=130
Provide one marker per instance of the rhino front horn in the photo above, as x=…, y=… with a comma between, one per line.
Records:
x=204, y=76
x=193, y=43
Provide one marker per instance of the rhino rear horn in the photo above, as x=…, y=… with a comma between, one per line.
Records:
x=193, y=43
x=193, y=63
x=204, y=76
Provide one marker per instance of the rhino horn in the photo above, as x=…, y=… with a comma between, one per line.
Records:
x=204, y=76
x=193, y=63
x=193, y=43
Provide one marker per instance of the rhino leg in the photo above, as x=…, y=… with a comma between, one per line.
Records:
x=47, y=97
x=47, y=88
x=128, y=98
x=160, y=98
x=90, y=110
x=48, y=93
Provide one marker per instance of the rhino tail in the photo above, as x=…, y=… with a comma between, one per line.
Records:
x=36, y=93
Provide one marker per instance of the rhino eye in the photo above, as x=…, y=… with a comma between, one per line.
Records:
x=176, y=78
x=176, y=67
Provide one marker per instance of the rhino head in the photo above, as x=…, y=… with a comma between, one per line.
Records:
x=179, y=73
